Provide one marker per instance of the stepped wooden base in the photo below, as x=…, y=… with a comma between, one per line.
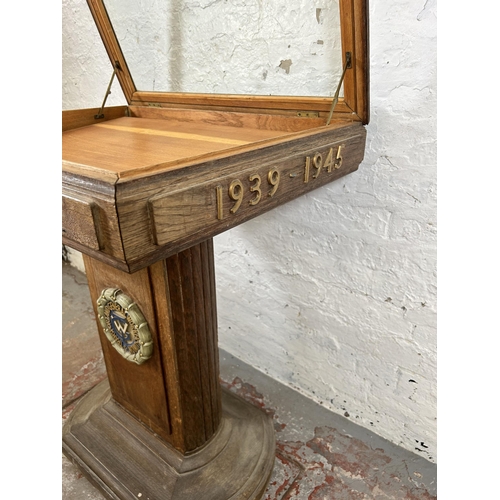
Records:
x=127, y=461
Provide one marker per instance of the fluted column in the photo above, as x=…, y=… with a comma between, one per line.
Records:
x=176, y=392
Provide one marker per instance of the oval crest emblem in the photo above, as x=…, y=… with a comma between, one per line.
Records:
x=124, y=325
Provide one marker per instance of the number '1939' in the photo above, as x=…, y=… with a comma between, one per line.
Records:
x=236, y=191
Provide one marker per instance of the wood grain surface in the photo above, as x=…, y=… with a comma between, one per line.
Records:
x=176, y=393
x=138, y=388
x=79, y=221
x=129, y=144
x=260, y=121
x=100, y=227
x=75, y=118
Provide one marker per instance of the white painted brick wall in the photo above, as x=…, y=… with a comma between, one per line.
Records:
x=334, y=294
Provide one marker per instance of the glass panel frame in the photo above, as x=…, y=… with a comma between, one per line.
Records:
x=354, y=105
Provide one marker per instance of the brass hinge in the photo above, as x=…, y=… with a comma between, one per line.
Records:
x=308, y=114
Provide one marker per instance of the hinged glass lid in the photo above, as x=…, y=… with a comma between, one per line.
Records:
x=237, y=47
x=291, y=49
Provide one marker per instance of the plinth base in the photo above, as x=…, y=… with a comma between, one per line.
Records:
x=127, y=461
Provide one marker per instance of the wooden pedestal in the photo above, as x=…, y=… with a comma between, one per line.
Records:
x=163, y=428
x=145, y=188
x=127, y=461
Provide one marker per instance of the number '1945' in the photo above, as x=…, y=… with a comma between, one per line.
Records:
x=317, y=163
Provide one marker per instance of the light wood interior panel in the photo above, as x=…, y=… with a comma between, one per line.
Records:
x=127, y=144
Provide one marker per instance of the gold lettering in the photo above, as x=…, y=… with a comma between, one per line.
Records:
x=273, y=177
x=307, y=169
x=236, y=194
x=329, y=161
x=219, y=202
x=317, y=163
x=255, y=188
x=339, y=159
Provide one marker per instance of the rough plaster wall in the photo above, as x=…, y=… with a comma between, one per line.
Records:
x=334, y=294
x=86, y=68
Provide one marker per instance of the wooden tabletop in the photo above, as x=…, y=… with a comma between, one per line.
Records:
x=127, y=145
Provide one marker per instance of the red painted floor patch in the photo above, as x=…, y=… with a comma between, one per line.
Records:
x=332, y=465
x=285, y=474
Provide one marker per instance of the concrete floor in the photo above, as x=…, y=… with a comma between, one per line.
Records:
x=319, y=455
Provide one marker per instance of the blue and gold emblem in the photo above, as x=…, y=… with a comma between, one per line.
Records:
x=124, y=325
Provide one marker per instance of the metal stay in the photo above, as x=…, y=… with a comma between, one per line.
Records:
x=100, y=113
x=348, y=65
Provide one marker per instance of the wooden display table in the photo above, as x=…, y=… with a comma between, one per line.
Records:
x=145, y=189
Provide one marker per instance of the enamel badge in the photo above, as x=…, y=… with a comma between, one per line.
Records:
x=124, y=325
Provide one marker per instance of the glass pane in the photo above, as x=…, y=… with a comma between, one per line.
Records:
x=264, y=47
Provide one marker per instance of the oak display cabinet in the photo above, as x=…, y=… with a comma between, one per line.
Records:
x=146, y=187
